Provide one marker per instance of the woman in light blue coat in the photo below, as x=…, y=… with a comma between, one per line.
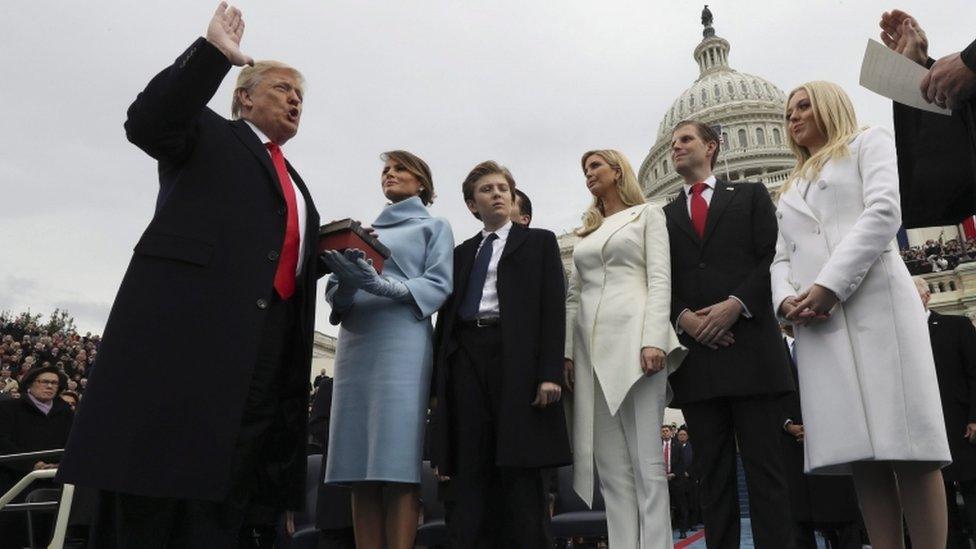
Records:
x=384, y=356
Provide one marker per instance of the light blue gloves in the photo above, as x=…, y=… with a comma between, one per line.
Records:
x=354, y=272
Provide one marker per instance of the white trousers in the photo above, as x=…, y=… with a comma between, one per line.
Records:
x=630, y=462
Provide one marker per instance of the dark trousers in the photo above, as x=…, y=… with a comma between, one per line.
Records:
x=495, y=507
x=715, y=425
x=127, y=521
x=962, y=522
x=680, y=491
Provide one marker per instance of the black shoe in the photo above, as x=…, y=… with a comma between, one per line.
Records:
x=683, y=535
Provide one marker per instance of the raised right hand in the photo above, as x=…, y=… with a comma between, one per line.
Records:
x=225, y=32
x=902, y=34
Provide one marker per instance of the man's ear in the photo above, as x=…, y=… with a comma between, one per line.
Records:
x=244, y=98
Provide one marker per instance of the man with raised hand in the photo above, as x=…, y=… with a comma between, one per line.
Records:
x=222, y=282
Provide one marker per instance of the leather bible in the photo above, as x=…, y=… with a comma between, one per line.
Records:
x=345, y=233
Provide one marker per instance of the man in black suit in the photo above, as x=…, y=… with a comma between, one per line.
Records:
x=677, y=475
x=227, y=268
x=954, y=349
x=497, y=373
x=826, y=503
x=723, y=238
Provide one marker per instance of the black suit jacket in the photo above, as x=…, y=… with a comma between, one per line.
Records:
x=194, y=300
x=531, y=296
x=677, y=459
x=732, y=259
x=954, y=348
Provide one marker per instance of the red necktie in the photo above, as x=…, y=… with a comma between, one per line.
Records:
x=284, y=281
x=667, y=458
x=699, y=208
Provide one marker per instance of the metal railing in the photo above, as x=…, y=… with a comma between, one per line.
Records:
x=63, y=507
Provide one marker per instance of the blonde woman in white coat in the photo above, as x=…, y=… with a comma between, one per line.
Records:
x=620, y=347
x=865, y=361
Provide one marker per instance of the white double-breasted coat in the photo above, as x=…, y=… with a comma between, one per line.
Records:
x=867, y=377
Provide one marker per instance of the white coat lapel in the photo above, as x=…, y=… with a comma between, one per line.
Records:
x=794, y=200
x=616, y=222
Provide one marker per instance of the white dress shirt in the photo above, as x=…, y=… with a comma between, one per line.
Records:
x=299, y=203
x=488, y=308
x=666, y=449
x=707, y=195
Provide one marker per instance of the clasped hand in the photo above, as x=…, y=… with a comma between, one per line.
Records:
x=810, y=307
x=710, y=326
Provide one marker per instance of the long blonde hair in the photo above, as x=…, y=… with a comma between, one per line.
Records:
x=628, y=189
x=834, y=116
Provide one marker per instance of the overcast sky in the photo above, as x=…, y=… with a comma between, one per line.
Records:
x=531, y=84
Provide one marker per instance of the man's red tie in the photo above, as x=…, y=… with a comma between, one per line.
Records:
x=284, y=281
x=699, y=209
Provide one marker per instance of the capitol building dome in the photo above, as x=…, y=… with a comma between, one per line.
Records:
x=748, y=110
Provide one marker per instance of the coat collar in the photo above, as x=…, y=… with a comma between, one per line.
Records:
x=253, y=144
x=516, y=237
x=398, y=212
x=616, y=222
x=795, y=200
x=721, y=197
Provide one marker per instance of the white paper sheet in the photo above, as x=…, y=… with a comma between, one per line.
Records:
x=896, y=77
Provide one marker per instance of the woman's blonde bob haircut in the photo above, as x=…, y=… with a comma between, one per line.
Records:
x=834, y=116
x=627, y=188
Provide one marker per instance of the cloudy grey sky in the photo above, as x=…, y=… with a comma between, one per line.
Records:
x=531, y=84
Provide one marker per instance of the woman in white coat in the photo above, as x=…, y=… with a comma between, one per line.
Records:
x=870, y=397
x=620, y=347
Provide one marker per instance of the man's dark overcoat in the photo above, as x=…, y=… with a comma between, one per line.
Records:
x=192, y=306
x=532, y=305
x=937, y=160
x=954, y=348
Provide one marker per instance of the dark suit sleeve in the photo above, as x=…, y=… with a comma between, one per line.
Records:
x=161, y=120
x=968, y=56
x=967, y=354
x=438, y=346
x=754, y=291
x=678, y=304
x=553, y=318
x=7, y=443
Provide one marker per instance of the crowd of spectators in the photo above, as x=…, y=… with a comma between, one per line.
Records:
x=936, y=256
x=27, y=343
